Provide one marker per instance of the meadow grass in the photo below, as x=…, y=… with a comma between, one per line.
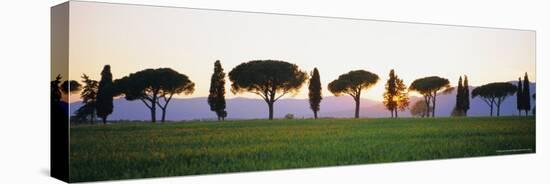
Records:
x=137, y=150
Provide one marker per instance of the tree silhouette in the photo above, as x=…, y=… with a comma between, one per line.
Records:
x=462, y=98
x=395, y=96
x=315, y=95
x=352, y=83
x=89, y=98
x=58, y=88
x=105, y=93
x=216, y=98
x=64, y=89
x=459, y=105
x=494, y=94
x=419, y=109
x=465, y=96
x=70, y=86
x=519, y=97
x=154, y=87
x=391, y=91
x=429, y=87
x=526, y=95
x=59, y=107
x=269, y=79
x=55, y=90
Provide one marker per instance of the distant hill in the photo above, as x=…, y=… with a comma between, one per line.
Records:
x=331, y=106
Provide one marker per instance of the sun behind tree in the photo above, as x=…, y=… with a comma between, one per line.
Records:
x=395, y=97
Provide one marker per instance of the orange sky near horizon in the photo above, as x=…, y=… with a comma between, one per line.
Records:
x=132, y=38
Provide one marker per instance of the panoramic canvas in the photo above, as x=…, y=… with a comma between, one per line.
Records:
x=147, y=91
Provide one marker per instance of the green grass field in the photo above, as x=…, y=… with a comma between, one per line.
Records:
x=135, y=150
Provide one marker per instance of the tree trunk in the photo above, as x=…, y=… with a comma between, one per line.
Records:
x=270, y=106
x=154, y=109
x=104, y=120
x=315, y=114
x=498, y=103
x=396, y=116
x=163, y=115
x=433, y=104
x=491, y=110
x=92, y=117
x=526, y=113
x=357, y=103
x=427, y=100
x=153, y=114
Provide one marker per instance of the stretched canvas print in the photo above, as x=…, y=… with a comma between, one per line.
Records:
x=148, y=91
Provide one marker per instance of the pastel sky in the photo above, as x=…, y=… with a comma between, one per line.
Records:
x=132, y=38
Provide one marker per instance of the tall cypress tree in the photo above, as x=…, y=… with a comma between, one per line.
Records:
x=105, y=93
x=459, y=107
x=526, y=95
x=216, y=98
x=315, y=95
x=465, y=96
x=519, y=97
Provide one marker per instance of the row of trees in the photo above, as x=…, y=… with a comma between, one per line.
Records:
x=97, y=97
x=271, y=80
x=493, y=94
x=154, y=87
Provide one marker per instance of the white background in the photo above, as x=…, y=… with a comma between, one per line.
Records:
x=24, y=88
